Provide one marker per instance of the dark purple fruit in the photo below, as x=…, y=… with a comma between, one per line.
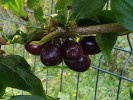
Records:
x=89, y=45
x=33, y=49
x=71, y=50
x=80, y=65
x=51, y=55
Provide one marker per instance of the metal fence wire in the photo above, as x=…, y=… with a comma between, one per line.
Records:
x=120, y=77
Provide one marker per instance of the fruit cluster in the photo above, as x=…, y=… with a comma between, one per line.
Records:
x=75, y=54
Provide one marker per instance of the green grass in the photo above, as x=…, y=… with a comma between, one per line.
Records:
x=108, y=84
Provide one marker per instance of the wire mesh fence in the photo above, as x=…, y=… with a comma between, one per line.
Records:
x=10, y=20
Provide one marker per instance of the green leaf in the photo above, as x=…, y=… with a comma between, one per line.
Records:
x=16, y=61
x=62, y=4
x=38, y=10
x=60, y=18
x=30, y=26
x=29, y=37
x=83, y=9
x=131, y=92
x=1, y=29
x=33, y=4
x=31, y=97
x=106, y=43
x=27, y=97
x=61, y=9
x=123, y=11
x=51, y=98
x=16, y=74
x=39, y=15
x=123, y=33
x=106, y=16
x=87, y=22
x=2, y=90
x=15, y=6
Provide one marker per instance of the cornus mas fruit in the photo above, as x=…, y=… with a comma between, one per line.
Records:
x=71, y=50
x=50, y=55
x=34, y=49
x=89, y=45
x=80, y=65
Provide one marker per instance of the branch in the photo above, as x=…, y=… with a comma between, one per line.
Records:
x=98, y=29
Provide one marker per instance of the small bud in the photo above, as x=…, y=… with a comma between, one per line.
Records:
x=17, y=39
x=2, y=41
x=72, y=24
x=2, y=53
x=53, y=22
x=42, y=27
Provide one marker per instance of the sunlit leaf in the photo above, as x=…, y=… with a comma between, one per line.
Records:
x=33, y=4
x=39, y=14
x=15, y=6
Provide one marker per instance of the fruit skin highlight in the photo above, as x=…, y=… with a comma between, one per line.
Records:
x=51, y=55
x=71, y=50
x=89, y=45
x=33, y=49
x=80, y=65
